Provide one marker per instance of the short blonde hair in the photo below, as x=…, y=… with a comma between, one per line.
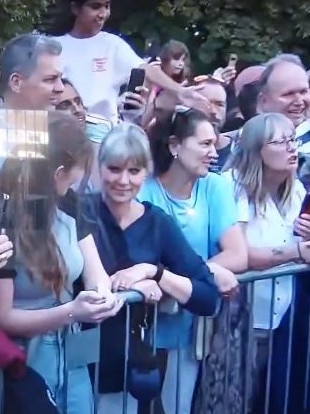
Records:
x=126, y=142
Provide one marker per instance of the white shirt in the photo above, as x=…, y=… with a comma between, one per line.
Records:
x=98, y=66
x=270, y=229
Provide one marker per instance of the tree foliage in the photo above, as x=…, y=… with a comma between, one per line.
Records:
x=17, y=16
x=211, y=28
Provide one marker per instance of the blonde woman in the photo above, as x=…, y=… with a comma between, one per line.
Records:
x=269, y=197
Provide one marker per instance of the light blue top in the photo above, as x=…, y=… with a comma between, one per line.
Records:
x=203, y=219
x=31, y=294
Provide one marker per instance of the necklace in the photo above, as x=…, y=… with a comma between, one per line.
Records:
x=188, y=207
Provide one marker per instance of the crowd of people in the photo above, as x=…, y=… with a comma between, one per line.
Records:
x=171, y=190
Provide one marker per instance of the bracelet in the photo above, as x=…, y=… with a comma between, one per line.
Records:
x=301, y=259
x=159, y=273
x=71, y=318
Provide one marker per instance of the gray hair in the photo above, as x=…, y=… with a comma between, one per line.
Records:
x=247, y=164
x=271, y=64
x=126, y=141
x=20, y=55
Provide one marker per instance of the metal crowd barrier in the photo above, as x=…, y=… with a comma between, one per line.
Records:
x=247, y=281
x=238, y=392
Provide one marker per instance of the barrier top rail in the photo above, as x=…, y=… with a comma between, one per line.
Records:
x=273, y=272
x=251, y=276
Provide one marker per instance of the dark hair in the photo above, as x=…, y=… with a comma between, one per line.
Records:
x=33, y=200
x=247, y=100
x=21, y=55
x=66, y=81
x=181, y=125
x=59, y=19
x=175, y=50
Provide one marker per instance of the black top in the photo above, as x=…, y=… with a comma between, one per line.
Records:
x=153, y=238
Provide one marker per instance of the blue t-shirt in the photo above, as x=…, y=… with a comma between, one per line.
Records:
x=203, y=218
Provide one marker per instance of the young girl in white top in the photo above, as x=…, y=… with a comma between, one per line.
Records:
x=98, y=63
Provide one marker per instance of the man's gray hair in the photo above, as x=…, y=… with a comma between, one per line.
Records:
x=272, y=63
x=20, y=55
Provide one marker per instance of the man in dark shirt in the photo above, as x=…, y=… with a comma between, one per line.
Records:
x=215, y=91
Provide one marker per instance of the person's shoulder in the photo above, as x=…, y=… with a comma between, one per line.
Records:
x=212, y=180
x=64, y=39
x=158, y=214
x=111, y=38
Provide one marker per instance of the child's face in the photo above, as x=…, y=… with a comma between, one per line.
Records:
x=176, y=66
x=91, y=17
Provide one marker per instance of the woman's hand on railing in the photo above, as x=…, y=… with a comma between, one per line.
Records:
x=149, y=289
x=224, y=279
x=126, y=278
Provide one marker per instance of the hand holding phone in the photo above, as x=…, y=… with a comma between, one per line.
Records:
x=136, y=81
x=233, y=59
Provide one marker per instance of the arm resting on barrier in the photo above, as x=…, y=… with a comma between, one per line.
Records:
x=94, y=274
x=261, y=258
x=233, y=255
x=192, y=294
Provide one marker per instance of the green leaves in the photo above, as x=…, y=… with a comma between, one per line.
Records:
x=18, y=16
x=212, y=29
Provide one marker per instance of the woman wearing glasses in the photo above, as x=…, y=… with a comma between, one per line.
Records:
x=269, y=197
x=183, y=146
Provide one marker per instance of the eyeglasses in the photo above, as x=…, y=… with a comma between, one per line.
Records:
x=292, y=143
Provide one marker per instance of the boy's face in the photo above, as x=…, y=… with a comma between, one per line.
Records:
x=92, y=16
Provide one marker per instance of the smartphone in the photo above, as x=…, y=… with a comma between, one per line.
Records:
x=305, y=208
x=137, y=78
x=233, y=59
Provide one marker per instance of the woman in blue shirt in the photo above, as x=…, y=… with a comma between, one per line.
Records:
x=202, y=204
x=150, y=252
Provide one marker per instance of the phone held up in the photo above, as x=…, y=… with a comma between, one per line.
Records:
x=137, y=78
x=233, y=59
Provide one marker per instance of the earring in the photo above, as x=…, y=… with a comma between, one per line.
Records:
x=175, y=156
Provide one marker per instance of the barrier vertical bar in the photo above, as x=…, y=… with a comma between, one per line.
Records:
x=127, y=344
x=307, y=373
x=154, y=340
x=249, y=357
x=270, y=346
x=289, y=351
x=227, y=305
